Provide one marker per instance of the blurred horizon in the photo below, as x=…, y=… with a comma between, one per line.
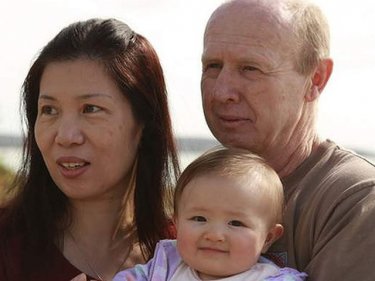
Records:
x=189, y=148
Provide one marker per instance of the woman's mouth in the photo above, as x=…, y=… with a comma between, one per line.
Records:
x=73, y=165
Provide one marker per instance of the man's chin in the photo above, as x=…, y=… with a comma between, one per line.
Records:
x=236, y=143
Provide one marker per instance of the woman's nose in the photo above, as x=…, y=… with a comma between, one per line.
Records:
x=69, y=131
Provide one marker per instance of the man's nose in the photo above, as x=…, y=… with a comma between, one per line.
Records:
x=226, y=89
x=69, y=131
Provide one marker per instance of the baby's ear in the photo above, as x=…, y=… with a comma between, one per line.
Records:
x=175, y=220
x=274, y=233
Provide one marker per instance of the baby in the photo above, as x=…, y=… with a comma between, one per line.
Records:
x=228, y=207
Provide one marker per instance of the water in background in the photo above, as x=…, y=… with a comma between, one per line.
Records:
x=189, y=149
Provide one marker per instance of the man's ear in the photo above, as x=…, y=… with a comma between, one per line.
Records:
x=319, y=79
x=273, y=234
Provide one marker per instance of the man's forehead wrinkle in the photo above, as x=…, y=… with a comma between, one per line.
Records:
x=240, y=39
x=263, y=39
x=232, y=38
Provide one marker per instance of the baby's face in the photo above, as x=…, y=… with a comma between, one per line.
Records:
x=222, y=225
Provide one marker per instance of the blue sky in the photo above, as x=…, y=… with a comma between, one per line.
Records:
x=175, y=28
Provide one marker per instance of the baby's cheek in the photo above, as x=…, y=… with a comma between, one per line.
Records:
x=185, y=245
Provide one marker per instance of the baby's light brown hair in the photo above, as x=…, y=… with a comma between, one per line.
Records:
x=238, y=164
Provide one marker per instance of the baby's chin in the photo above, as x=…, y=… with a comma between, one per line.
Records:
x=212, y=276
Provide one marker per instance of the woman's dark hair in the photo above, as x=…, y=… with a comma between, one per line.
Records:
x=39, y=207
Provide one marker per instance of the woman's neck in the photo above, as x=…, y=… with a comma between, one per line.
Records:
x=95, y=219
x=92, y=243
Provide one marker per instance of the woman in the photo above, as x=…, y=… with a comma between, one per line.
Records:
x=93, y=192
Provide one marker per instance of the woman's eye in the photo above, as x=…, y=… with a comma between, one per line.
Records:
x=236, y=223
x=48, y=110
x=198, y=219
x=89, y=108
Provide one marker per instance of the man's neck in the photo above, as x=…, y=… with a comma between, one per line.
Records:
x=289, y=157
x=296, y=145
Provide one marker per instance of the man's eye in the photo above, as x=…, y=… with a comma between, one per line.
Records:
x=89, y=108
x=249, y=68
x=212, y=70
x=236, y=223
x=198, y=219
x=48, y=110
x=212, y=66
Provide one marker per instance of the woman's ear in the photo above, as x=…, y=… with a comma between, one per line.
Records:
x=319, y=79
x=273, y=234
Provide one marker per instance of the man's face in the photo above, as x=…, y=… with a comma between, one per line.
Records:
x=252, y=95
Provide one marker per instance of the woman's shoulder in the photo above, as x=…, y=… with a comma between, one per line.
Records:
x=12, y=261
x=11, y=251
x=5, y=225
x=9, y=237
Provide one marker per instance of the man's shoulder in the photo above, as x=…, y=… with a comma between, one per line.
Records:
x=332, y=163
x=332, y=174
x=343, y=154
x=344, y=166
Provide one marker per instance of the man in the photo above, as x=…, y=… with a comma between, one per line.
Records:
x=265, y=64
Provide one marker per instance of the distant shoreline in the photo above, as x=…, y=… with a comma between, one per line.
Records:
x=191, y=144
x=189, y=147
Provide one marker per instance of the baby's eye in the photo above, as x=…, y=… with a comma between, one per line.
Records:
x=198, y=219
x=236, y=223
x=89, y=108
x=48, y=110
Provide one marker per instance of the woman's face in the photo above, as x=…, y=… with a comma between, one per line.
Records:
x=85, y=130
